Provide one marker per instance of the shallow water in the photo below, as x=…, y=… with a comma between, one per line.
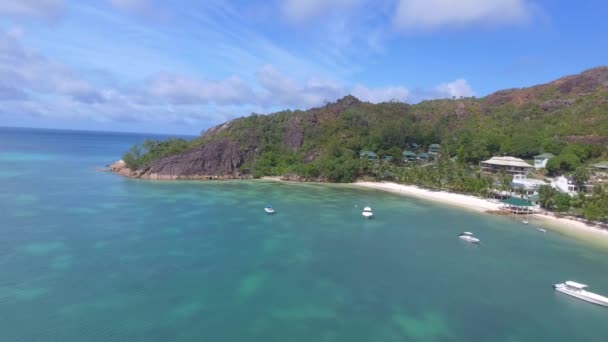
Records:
x=90, y=256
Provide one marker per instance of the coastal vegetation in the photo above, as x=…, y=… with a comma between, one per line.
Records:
x=567, y=118
x=592, y=206
x=142, y=154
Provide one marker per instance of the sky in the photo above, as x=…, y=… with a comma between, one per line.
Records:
x=183, y=66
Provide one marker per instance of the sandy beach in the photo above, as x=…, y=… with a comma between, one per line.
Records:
x=566, y=226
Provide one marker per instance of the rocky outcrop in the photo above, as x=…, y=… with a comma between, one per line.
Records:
x=294, y=133
x=121, y=168
x=214, y=161
x=550, y=105
x=302, y=179
x=258, y=143
x=219, y=159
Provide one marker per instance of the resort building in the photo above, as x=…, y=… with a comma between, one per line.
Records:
x=413, y=146
x=518, y=206
x=388, y=158
x=601, y=167
x=529, y=185
x=566, y=185
x=409, y=156
x=423, y=156
x=369, y=155
x=505, y=164
x=434, y=149
x=540, y=161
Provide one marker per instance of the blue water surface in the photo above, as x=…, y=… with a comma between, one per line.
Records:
x=91, y=256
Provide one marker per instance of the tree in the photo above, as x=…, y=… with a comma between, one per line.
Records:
x=593, y=212
x=546, y=196
x=580, y=175
x=505, y=181
x=562, y=202
x=554, y=146
x=567, y=161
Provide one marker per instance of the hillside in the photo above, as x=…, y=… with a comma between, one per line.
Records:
x=324, y=143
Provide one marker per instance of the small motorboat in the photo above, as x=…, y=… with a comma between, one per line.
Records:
x=525, y=222
x=577, y=290
x=541, y=230
x=468, y=236
x=367, y=212
x=268, y=209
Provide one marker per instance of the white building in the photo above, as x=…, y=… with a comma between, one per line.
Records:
x=531, y=186
x=540, y=161
x=565, y=185
x=505, y=164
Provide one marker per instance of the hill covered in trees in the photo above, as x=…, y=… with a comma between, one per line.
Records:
x=567, y=117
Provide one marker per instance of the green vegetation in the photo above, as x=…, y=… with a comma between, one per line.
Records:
x=142, y=154
x=567, y=118
x=593, y=206
x=444, y=174
x=572, y=157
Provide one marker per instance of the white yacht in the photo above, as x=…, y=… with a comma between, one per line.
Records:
x=468, y=236
x=269, y=209
x=577, y=290
x=367, y=212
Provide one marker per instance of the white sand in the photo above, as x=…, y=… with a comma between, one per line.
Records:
x=566, y=226
x=463, y=201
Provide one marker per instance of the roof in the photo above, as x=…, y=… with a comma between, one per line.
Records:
x=533, y=198
x=408, y=154
x=601, y=165
x=434, y=146
x=507, y=161
x=517, y=202
x=388, y=157
x=575, y=284
x=423, y=155
x=544, y=156
x=527, y=182
x=368, y=154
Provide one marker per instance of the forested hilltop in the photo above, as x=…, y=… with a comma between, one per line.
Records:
x=567, y=117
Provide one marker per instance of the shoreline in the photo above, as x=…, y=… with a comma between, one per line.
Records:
x=563, y=225
x=566, y=226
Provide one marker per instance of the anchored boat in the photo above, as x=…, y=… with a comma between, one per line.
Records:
x=577, y=290
x=367, y=212
x=269, y=209
x=468, y=236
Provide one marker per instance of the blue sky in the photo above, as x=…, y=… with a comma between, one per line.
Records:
x=183, y=66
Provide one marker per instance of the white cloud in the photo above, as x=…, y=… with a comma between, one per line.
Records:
x=300, y=10
x=280, y=90
x=32, y=8
x=35, y=85
x=457, y=88
x=28, y=71
x=434, y=14
x=180, y=89
x=378, y=95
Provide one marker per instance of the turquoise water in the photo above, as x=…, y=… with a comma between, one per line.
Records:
x=90, y=256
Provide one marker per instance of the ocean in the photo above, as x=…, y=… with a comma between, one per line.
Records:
x=91, y=256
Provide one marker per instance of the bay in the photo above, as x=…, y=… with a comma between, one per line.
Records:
x=91, y=256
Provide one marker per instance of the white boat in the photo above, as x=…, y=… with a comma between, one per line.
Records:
x=577, y=290
x=525, y=222
x=367, y=212
x=541, y=230
x=468, y=236
x=269, y=209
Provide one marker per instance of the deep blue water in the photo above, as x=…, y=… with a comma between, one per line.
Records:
x=91, y=256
